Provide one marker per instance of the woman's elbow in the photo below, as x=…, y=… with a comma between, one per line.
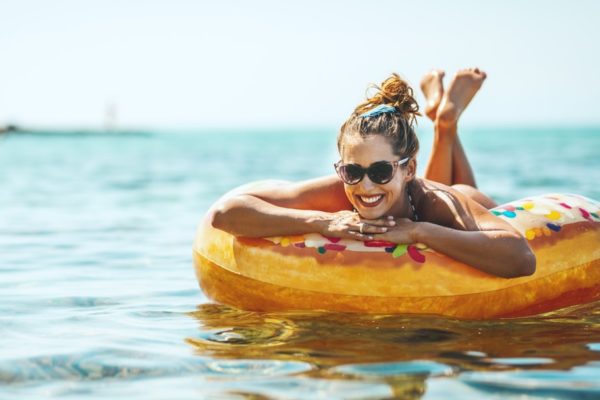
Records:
x=218, y=219
x=525, y=265
x=222, y=217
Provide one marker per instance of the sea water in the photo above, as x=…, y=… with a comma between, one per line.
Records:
x=98, y=297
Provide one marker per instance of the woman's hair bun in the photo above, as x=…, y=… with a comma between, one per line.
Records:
x=395, y=92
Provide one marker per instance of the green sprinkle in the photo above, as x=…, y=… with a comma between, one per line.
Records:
x=399, y=250
x=321, y=250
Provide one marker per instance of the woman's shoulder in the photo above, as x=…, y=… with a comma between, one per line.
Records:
x=443, y=205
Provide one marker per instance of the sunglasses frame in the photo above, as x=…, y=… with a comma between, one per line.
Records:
x=365, y=171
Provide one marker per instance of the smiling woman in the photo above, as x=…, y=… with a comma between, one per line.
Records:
x=378, y=195
x=377, y=204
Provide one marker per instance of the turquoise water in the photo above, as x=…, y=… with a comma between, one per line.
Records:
x=98, y=297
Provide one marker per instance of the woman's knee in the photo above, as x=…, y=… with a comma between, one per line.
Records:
x=476, y=195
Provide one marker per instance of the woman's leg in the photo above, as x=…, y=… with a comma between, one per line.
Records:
x=448, y=163
x=439, y=166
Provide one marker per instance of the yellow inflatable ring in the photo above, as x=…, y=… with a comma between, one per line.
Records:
x=312, y=272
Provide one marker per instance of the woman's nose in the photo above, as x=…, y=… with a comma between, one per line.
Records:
x=367, y=184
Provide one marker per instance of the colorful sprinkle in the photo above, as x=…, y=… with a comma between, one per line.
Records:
x=565, y=205
x=530, y=234
x=285, y=242
x=509, y=208
x=584, y=213
x=332, y=239
x=300, y=245
x=421, y=246
x=389, y=249
x=509, y=214
x=520, y=208
x=546, y=231
x=378, y=243
x=321, y=250
x=414, y=253
x=335, y=247
x=553, y=215
x=528, y=206
x=399, y=250
x=595, y=215
x=496, y=213
x=553, y=227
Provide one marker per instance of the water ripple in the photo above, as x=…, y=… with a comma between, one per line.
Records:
x=421, y=368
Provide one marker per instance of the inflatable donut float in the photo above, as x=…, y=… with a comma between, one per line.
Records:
x=313, y=272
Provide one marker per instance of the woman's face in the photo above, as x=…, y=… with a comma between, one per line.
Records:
x=370, y=199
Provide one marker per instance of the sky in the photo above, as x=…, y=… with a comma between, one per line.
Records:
x=189, y=64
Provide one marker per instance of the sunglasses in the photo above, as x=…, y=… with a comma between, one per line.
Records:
x=380, y=172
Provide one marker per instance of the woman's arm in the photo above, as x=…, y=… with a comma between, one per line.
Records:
x=498, y=252
x=319, y=205
x=464, y=230
x=249, y=216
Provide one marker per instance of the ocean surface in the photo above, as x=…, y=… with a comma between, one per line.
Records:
x=98, y=297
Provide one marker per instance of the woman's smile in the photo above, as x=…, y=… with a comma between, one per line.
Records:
x=370, y=200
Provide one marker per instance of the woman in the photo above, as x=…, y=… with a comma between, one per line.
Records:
x=376, y=194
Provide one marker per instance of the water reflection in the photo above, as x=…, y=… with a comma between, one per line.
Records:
x=407, y=353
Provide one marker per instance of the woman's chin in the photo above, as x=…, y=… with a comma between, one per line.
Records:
x=371, y=213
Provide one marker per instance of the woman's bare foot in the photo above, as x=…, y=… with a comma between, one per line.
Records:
x=433, y=89
x=459, y=94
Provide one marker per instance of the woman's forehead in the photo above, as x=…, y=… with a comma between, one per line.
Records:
x=366, y=150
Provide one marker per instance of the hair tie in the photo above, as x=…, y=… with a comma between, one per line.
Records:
x=380, y=109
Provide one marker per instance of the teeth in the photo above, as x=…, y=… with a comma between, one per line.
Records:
x=371, y=199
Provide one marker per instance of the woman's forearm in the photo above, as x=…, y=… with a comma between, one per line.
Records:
x=249, y=216
x=497, y=252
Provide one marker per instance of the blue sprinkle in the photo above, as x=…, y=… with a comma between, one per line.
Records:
x=553, y=227
x=509, y=214
x=389, y=249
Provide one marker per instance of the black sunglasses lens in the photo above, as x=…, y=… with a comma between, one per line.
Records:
x=381, y=172
x=351, y=173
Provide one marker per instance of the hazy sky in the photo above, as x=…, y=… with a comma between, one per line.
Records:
x=186, y=64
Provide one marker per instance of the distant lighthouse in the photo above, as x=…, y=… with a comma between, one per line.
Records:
x=110, y=117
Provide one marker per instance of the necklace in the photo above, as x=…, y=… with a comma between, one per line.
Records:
x=412, y=205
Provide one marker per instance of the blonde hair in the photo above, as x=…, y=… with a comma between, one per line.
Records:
x=397, y=126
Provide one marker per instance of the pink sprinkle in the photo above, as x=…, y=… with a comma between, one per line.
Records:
x=584, y=213
x=508, y=207
x=335, y=247
x=301, y=245
x=565, y=205
x=414, y=253
x=379, y=243
x=333, y=239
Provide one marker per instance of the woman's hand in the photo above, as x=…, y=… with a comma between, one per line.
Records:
x=349, y=225
x=401, y=231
